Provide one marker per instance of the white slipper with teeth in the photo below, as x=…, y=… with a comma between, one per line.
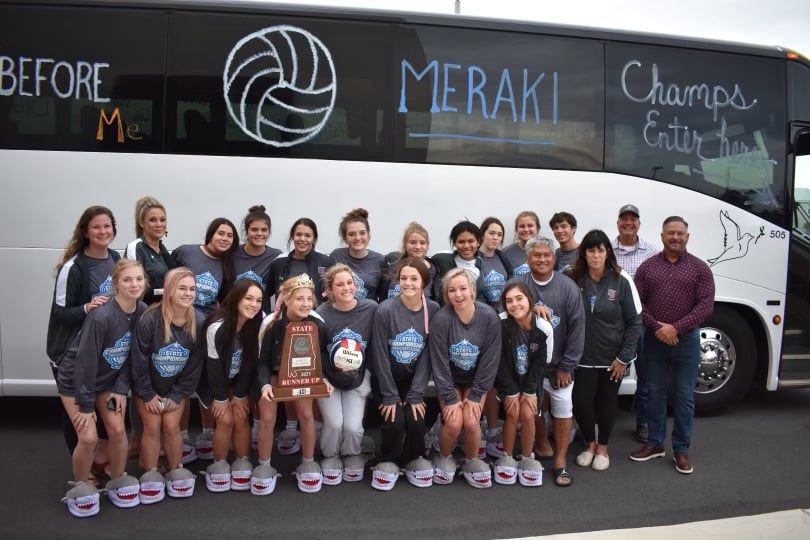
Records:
x=353, y=467
x=180, y=483
x=189, y=453
x=419, y=472
x=241, y=470
x=384, y=476
x=263, y=480
x=289, y=442
x=477, y=473
x=82, y=500
x=506, y=471
x=444, y=469
x=153, y=487
x=218, y=477
x=204, y=445
x=310, y=478
x=332, y=470
x=530, y=472
x=124, y=491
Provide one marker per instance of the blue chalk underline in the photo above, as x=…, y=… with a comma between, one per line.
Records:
x=478, y=138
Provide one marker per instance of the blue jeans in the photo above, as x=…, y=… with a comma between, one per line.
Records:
x=641, y=383
x=683, y=361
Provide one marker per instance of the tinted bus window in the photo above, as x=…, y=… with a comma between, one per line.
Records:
x=799, y=81
x=270, y=86
x=711, y=122
x=497, y=98
x=81, y=79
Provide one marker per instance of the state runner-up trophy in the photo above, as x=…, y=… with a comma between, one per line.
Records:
x=300, y=375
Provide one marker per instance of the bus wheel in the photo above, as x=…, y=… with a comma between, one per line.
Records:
x=727, y=361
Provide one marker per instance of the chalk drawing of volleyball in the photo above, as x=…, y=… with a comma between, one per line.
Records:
x=279, y=85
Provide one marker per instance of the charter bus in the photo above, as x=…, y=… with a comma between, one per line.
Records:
x=215, y=106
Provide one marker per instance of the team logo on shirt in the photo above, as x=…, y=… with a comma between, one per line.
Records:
x=360, y=285
x=106, y=287
x=407, y=346
x=394, y=291
x=464, y=355
x=236, y=364
x=493, y=285
x=118, y=353
x=347, y=333
x=555, y=319
x=522, y=269
x=522, y=359
x=251, y=275
x=170, y=360
x=611, y=294
x=207, y=289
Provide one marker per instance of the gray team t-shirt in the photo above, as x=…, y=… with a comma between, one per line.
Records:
x=255, y=267
x=494, y=279
x=207, y=274
x=516, y=257
x=366, y=271
x=100, y=271
x=565, y=259
x=342, y=327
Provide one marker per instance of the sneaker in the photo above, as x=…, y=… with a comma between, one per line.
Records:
x=384, y=476
x=289, y=442
x=310, y=478
x=506, y=471
x=180, y=483
x=585, y=458
x=682, y=463
x=642, y=433
x=189, y=453
x=218, y=477
x=647, y=452
x=600, y=462
x=123, y=491
x=153, y=487
x=82, y=500
x=263, y=480
x=204, y=444
x=444, y=469
x=477, y=473
x=419, y=472
x=332, y=470
x=241, y=470
x=353, y=468
x=530, y=472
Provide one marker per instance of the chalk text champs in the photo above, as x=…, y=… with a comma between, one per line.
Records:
x=676, y=136
x=456, y=88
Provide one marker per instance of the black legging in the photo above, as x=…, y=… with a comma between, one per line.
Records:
x=595, y=399
x=403, y=439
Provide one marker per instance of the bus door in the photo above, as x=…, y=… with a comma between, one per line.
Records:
x=795, y=366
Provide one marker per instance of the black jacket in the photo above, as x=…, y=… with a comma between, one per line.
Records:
x=70, y=293
x=445, y=262
x=613, y=324
x=316, y=262
x=156, y=265
x=509, y=381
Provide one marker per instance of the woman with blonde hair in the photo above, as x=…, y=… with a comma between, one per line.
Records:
x=167, y=361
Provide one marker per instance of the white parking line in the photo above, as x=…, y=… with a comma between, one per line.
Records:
x=786, y=524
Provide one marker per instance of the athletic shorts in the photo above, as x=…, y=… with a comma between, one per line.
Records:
x=560, y=402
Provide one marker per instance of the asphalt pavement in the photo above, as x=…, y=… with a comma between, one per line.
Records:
x=750, y=460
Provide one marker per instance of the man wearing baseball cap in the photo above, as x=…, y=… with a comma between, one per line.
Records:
x=631, y=250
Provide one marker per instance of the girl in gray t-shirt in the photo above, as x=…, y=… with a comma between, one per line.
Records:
x=366, y=265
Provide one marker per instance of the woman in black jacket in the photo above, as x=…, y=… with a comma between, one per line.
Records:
x=612, y=325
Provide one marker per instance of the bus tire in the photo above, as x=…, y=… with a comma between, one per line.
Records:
x=727, y=361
